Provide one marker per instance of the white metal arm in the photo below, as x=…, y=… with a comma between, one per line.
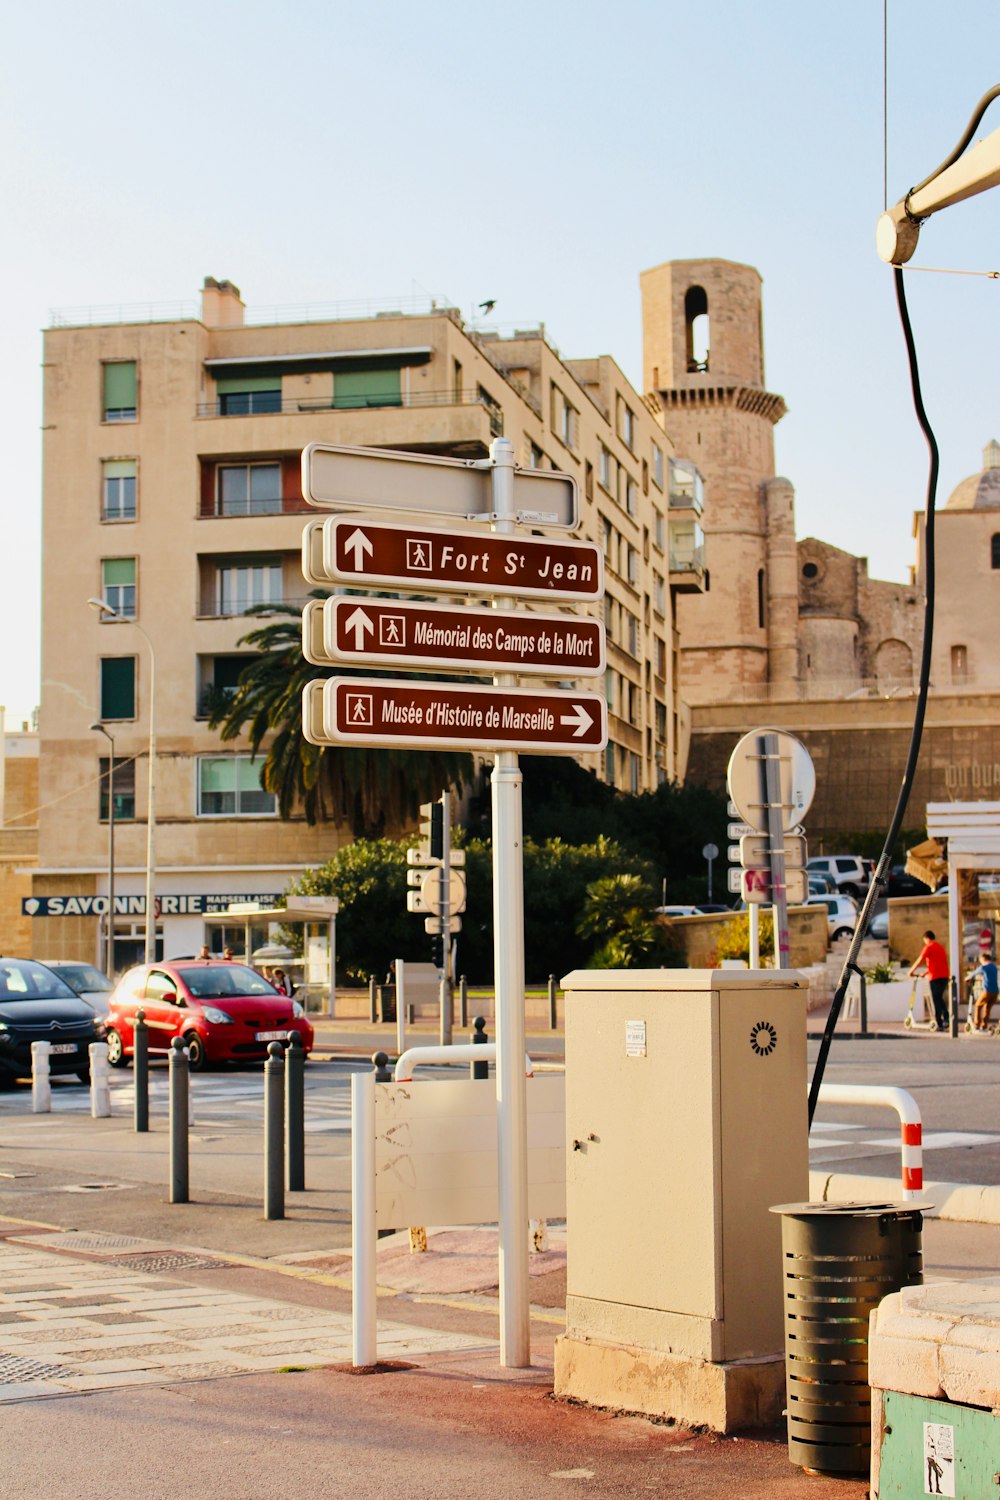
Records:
x=413, y=1057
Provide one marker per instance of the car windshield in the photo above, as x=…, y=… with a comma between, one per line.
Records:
x=20, y=979
x=84, y=977
x=215, y=981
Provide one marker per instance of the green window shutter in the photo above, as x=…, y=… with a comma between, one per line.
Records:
x=119, y=570
x=240, y=385
x=117, y=687
x=357, y=388
x=120, y=387
x=123, y=468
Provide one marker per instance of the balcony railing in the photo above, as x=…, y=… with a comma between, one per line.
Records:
x=685, y=489
x=686, y=551
x=308, y=312
x=312, y=404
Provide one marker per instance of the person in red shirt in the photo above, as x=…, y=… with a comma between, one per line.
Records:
x=933, y=961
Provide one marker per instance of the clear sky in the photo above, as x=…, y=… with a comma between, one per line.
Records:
x=538, y=154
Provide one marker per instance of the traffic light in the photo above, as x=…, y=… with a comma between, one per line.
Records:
x=437, y=952
x=432, y=827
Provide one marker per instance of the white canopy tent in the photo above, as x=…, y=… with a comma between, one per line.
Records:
x=319, y=911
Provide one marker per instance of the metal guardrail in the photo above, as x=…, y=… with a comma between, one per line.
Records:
x=310, y=405
x=910, y=1124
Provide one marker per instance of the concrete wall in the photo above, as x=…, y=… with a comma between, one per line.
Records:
x=807, y=937
x=909, y=918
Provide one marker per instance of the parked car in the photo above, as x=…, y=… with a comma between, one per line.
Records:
x=820, y=883
x=902, y=884
x=86, y=981
x=843, y=914
x=224, y=1012
x=850, y=873
x=878, y=927
x=678, y=910
x=37, y=1006
x=711, y=908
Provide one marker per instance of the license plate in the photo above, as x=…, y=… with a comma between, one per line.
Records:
x=62, y=1047
x=272, y=1036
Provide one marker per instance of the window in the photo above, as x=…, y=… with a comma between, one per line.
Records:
x=118, y=490
x=609, y=615
x=493, y=407
x=248, y=396
x=536, y=458
x=563, y=418
x=118, y=585
x=696, y=319
x=658, y=467
x=123, y=789
x=633, y=635
x=631, y=564
x=609, y=764
x=626, y=423
x=659, y=595
x=588, y=479
x=606, y=535
x=760, y=598
x=661, y=658
x=120, y=391
x=659, y=534
x=457, y=381
x=631, y=496
x=241, y=585
x=604, y=469
x=355, y=389
x=229, y=787
x=117, y=687
x=995, y=550
x=633, y=772
x=609, y=690
x=249, y=489
x=219, y=678
x=959, y=663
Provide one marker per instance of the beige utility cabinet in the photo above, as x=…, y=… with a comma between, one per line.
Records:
x=686, y=1120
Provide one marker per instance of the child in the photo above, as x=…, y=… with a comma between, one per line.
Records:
x=987, y=976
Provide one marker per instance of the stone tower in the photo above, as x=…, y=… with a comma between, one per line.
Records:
x=703, y=358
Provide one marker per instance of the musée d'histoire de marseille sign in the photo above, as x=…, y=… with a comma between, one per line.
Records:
x=135, y=906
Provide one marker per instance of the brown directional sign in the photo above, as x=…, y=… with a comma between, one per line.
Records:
x=347, y=478
x=428, y=715
x=453, y=637
x=417, y=557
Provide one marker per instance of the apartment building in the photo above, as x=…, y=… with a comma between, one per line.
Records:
x=172, y=490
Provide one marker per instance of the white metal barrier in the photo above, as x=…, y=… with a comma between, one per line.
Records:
x=414, y=1057
x=41, y=1088
x=910, y=1124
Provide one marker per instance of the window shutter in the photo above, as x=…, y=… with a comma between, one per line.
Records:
x=358, y=388
x=241, y=385
x=118, y=687
x=119, y=570
x=120, y=468
x=120, y=386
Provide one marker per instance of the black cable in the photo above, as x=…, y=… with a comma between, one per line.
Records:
x=949, y=161
x=881, y=877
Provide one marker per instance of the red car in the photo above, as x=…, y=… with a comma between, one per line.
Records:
x=224, y=1012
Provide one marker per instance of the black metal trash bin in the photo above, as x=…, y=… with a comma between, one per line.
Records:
x=838, y=1261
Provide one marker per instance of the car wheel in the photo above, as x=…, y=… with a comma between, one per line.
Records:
x=84, y=1076
x=196, y=1051
x=842, y=932
x=116, y=1052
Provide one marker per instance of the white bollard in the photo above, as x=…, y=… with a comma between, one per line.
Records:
x=41, y=1088
x=100, y=1086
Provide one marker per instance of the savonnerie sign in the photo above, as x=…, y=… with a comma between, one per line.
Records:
x=194, y=905
x=435, y=715
x=472, y=562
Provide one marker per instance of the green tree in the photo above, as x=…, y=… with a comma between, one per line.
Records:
x=733, y=940
x=368, y=789
x=369, y=879
x=617, y=911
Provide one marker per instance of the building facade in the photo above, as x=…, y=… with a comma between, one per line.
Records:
x=172, y=491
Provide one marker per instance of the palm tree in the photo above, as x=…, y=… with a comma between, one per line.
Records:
x=370, y=789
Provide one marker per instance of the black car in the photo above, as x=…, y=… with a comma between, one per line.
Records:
x=36, y=1006
x=903, y=884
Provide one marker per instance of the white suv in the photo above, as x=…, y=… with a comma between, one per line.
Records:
x=842, y=914
x=850, y=873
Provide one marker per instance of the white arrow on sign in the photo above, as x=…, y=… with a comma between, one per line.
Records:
x=359, y=544
x=359, y=621
x=580, y=717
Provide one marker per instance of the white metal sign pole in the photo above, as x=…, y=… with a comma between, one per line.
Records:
x=754, y=957
x=447, y=1006
x=767, y=744
x=508, y=951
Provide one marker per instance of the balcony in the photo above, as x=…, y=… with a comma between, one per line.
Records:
x=685, y=487
x=686, y=557
x=264, y=403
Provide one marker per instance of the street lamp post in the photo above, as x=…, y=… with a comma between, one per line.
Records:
x=109, y=949
x=105, y=609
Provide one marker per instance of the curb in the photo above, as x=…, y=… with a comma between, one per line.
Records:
x=961, y=1202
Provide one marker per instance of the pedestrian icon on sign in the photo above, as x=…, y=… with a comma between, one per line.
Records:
x=418, y=555
x=361, y=710
x=392, y=631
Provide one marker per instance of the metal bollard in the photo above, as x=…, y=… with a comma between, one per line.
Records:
x=552, y=1003
x=274, y=1133
x=100, y=1086
x=295, y=1113
x=41, y=1088
x=479, y=1069
x=463, y=995
x=383, y=1073
x=140, y=1072
x=179, y=1092
x=372, y=1000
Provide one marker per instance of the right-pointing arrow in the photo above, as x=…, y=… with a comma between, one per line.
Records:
x=359, y=544
x=581, y=717
x=359, y=623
